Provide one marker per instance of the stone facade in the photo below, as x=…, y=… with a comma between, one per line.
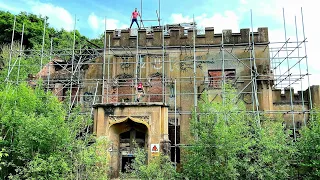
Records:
x=157, y=67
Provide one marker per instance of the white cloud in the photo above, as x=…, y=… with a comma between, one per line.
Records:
x=273, y=9
x=99, y=24
x=58, y=16
x=93, y=21
x=8, y=8
x=227, y=20
x=243, y=1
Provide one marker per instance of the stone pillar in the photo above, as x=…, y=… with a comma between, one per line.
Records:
x=111, y=34
x=209, y=34
x=174, y=37
x=263, y=34
x=165, y=144
x=95, y=117
x=227, y=38
x=266, y=96
x=190, y=36
x=244, y=38
x=157, y=37
x=287, y=93
x=124, y=38
x=142, y=37
x=315, y=96
x=165, y=147
x=100, y=122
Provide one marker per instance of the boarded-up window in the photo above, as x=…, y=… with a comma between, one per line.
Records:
x=124, y=86
x=155, y=90
x=215, y=77
x=125, y=90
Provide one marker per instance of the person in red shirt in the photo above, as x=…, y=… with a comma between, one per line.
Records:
x=134, y=17
x=140, y=90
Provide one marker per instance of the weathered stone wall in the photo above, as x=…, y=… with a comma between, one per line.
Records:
x=158, y=69
x=292, y=119
x=177, y=63
x=178, y=38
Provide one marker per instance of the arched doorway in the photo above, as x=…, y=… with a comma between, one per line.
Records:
x=126, y=136
x=135, y=137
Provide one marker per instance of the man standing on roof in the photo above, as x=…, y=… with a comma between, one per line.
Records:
x=134, y=17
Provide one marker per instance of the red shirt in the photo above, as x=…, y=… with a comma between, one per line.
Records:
x=135, y=14
x=140, y=86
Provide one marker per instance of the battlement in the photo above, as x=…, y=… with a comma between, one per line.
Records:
x=177, y=37
x=284, y=98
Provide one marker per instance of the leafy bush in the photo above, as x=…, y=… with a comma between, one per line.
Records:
x=230, y=143
x=159, y=167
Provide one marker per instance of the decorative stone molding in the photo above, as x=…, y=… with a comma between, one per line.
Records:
x=115, y=119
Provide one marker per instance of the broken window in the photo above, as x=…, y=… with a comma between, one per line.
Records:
x=216, y=78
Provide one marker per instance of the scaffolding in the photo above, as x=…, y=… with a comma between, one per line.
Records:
x=288, y=65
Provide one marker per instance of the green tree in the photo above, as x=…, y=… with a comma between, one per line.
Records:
x=39, y=139
x=33, y=32
x=308, y=146
x=229, y=143
x=159, y=167
x=94, y=160
x=100, y=41
x=19, y=65
x=38, y=142
x=33, y=131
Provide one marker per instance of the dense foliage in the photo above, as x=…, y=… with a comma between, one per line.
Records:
x=37, y=141
x=230, y=144
x=309, y=149
x=38, y=138
x=159, y=167
x=33, y=32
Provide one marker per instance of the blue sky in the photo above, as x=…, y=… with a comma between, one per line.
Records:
x=91, y=13
x=220, y=14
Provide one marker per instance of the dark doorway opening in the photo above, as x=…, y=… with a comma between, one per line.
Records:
x=126, y=163
x=134, y=137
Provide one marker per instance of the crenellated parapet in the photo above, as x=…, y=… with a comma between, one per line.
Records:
x=178, y=37
x=284, y=97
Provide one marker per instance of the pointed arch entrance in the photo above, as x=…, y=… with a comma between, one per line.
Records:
x=123, y=123
x=126, y=134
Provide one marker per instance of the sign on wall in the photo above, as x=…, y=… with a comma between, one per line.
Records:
x=155, y=149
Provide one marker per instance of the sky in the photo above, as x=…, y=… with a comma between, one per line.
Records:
x=89, y=17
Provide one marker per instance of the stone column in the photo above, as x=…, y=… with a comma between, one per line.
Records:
x=165, y=144
x=100, y=122
x=315, y=96
x=266, y=96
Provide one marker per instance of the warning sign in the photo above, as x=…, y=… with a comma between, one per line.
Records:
x=155, y=149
